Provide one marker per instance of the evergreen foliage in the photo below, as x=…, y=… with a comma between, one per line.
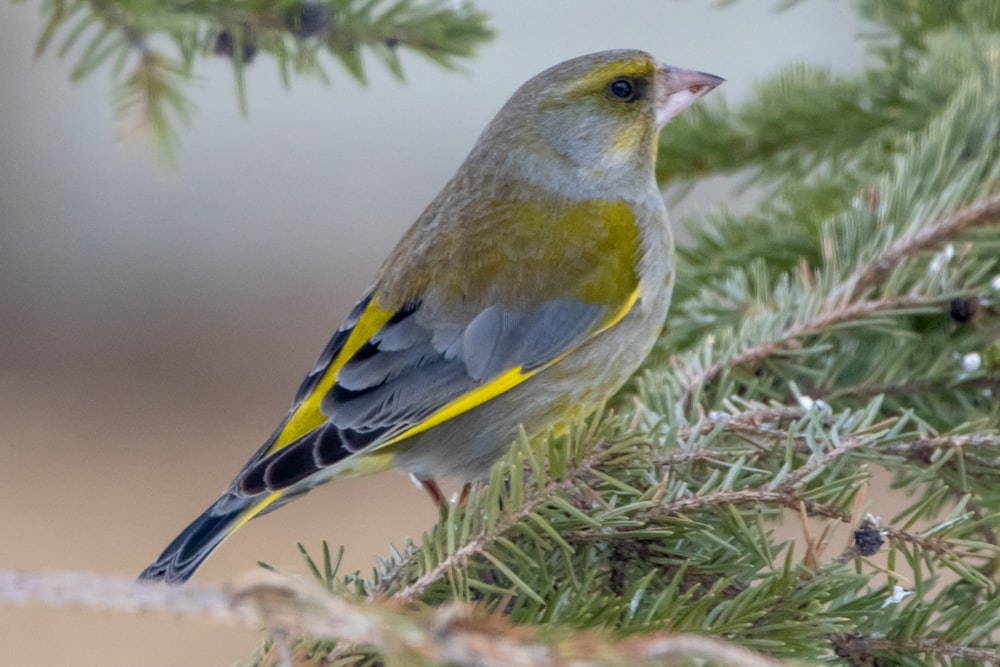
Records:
x=152, y=48
x=840, y=338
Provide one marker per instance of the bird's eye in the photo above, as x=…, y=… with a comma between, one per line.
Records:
x=622, y=89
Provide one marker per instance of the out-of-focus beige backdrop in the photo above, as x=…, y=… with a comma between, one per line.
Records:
x=155, y=323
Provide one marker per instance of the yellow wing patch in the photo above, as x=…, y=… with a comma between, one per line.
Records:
x=308, y=416
x=253, y=511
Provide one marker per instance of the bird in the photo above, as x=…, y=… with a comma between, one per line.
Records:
x=528, y=292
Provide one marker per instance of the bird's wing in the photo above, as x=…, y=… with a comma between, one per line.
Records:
x=387, y=375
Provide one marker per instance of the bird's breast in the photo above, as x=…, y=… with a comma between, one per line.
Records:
x=527, y=251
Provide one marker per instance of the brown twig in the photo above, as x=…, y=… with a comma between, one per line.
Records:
x=786, y=496
x=832, y=313
x=981, y=212
x=911, y=386
x=860, y=650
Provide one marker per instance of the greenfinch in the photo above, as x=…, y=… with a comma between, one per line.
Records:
x=526, y=294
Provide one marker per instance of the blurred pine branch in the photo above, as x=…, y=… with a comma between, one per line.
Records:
x=152, y=50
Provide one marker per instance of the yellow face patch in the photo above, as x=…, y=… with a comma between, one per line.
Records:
x=596, y=80
x=628, y=140
x=628, y=134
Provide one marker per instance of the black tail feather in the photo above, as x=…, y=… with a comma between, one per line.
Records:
x=196, y=542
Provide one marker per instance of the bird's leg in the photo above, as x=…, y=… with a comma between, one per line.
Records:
x=432, y=488
x=437, y=495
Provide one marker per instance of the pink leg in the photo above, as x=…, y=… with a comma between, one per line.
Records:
x=432, y=488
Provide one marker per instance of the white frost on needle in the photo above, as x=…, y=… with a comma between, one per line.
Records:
x=941, y=259
x=898, y=594
x=971, y=362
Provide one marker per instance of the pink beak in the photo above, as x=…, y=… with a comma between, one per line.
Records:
x=677, y=89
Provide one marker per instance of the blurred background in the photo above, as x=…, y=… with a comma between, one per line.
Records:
x=155, y=320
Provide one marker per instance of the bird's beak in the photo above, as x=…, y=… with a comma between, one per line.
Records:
x=677, y=89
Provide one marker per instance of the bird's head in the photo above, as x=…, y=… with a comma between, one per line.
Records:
x=593, y=117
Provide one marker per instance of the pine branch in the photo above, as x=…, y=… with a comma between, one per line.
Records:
x=832, y=313
x=164, y=42
x=905, y=387
x=84, y=590
x=784, y=497
x=792, y=499
x=863, y=651
x=925, y=449
x=839, y=306
x=788, y=492
x=476, y=546
x=453, y=634
x=981, y=213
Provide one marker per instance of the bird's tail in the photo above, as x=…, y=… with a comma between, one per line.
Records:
x=196, y=542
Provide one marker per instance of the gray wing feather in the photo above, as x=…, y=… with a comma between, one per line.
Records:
x=407, y=395
x=400, y=335
x=408, y=370
x=555, y=327
x=499, y=339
